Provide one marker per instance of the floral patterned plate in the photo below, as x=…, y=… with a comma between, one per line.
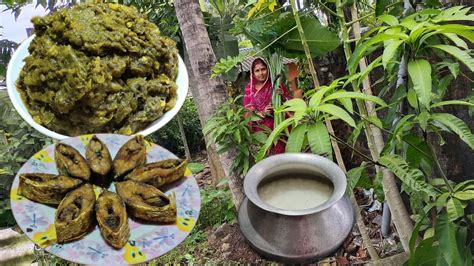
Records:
x=147, y=240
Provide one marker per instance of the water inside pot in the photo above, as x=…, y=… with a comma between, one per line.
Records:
x=295, y=191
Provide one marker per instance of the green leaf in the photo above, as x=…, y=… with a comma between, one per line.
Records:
x=273, y=136
x=347, y=103
x=390, y=51
x=412, y=98
x=456, y=125
x=464, y=195
x=454, y=208
x=337, y=112
x=378, y=186
x=446, y=234
x=260, y=137
x=355, y=95
x=318, y=138
x=458, y=102
x=456, y=40
x=294, y=105
x=412, y=177
x=353, y=176
x=195, y=167
x=376, y=63
x=315, y=99
x=420, y=74
x=320, y=39
x=381, y=7
x=296, y=139
x=454, y=13
x=459, y=54
x=373, y=42
x=389, y=19
x=426, y=253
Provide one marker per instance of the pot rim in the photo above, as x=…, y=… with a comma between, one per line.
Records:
x=299, y=162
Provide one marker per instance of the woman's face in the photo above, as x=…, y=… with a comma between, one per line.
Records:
x=260, y=72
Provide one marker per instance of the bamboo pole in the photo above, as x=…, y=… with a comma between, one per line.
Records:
x=359, y=220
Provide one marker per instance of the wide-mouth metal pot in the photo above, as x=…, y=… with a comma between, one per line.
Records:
x=295, y=236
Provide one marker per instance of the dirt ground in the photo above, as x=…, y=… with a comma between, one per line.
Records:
x=227, y=244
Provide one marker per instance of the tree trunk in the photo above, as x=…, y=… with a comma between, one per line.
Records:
x=210, y=93
x=400, y=215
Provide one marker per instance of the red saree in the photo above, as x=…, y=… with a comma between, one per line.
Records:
x=258, y=100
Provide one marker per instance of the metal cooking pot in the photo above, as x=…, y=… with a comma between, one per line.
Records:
x=295, y=236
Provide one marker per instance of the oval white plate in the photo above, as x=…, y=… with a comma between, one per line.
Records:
x=13, y=72
x=147, y=240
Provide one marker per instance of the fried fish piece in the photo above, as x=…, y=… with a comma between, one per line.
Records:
x=70, y=162
x=130, y=156
x=75, y=214
x=100, y=162
x=46, y=188
x=112, y=218
x=147, y=202
x=159, y=173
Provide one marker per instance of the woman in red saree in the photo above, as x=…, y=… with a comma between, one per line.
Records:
x=258, y=98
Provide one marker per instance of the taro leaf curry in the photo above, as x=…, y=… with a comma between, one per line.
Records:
x=98, y=68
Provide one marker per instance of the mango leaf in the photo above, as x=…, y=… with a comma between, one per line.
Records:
x=464, y=195
x=389, y=19
x=456, y=125
x=373, y=43
x=195, y=167
x=378, y=186
x=294, y=105
x=412, y=177
x=458, y=102
x=347, y=103
x=338, y=112
x=459, y=54
x=355, y=95
x=316, y=98
x=417, y=150
x=296, y=139
x=374, y=64
x=320, y=39
x=465, y=185
x=420, y=74
x=426, y=253
x=273, y=136
x=318, y=138
x=461, y=30
x=456, y=40
x=455, y=13
x=390, y=51
x=454, y=208
x=354, y=175
x=446, y=235
x=298, y=106
x=381, y=7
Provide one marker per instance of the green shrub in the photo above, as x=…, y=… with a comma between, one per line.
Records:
x=170, y=138
x=18, y=142
x=217, y=207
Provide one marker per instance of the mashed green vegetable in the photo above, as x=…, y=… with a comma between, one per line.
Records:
x=98, y=68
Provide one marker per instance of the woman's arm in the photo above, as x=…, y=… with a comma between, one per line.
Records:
x=292, y=74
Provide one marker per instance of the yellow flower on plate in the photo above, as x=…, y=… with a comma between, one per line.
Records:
x=133, y=254
x=46, y=238
x=43, y=156
x=185, y=223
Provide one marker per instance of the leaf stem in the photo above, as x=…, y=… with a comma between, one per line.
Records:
x=353, y=149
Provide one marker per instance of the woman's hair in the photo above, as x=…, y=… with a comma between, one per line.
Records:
x=258, y=61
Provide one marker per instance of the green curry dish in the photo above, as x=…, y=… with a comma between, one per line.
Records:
x=98, y=68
